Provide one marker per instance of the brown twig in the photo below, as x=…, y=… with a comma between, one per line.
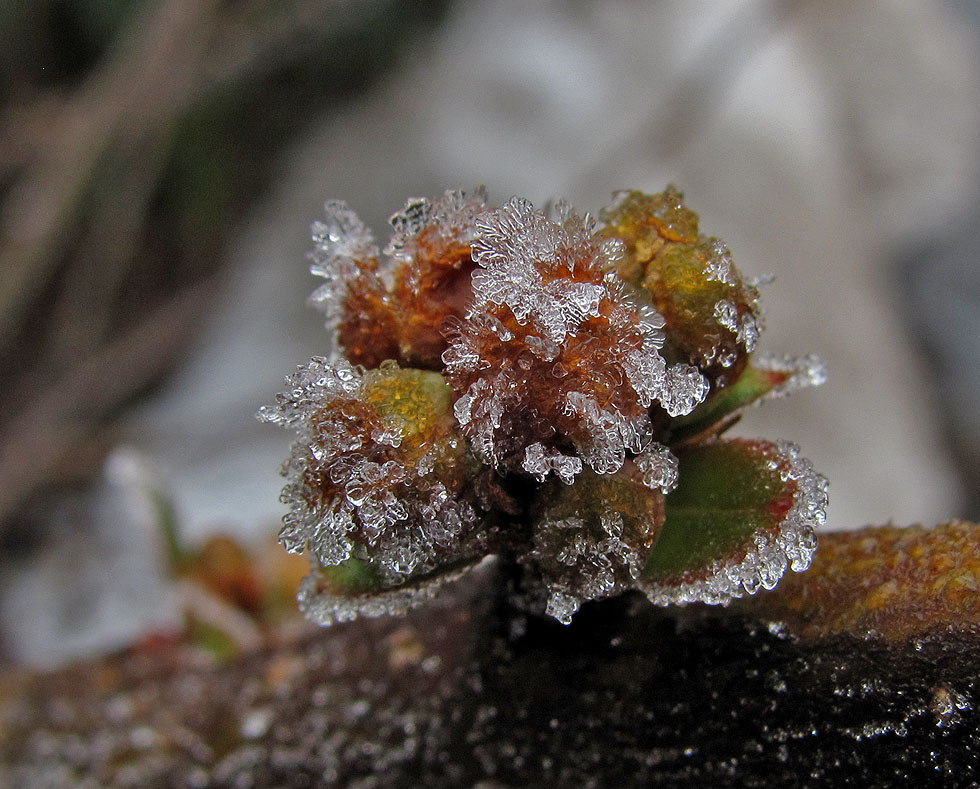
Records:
x=79, y=175
x=138, y=91
x=71, y=410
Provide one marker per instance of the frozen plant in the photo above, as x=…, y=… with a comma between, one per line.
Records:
x=542, y=388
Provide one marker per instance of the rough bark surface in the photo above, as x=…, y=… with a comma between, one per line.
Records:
x=468, y=692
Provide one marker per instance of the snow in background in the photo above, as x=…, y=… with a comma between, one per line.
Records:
x=819, y=139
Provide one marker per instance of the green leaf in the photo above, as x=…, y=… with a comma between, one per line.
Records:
x=350, y=578
x=210, y=638
x=764, y=378
x=340, y=593
x=742, y=511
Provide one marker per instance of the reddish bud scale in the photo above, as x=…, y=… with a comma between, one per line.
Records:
x=368, y=330
x=426, y=294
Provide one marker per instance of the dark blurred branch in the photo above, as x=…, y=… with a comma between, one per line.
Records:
x=71, y=410
x=466, y=691
x=104, y=255
x=255, y=38
x=138, y=91
x=168, y=59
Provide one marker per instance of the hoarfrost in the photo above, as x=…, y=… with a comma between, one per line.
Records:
x=340, y=241
x=746, y=329
x=584, y=558
x=610, y=434
x=312, y=384
x=684, y=389
x=523, y=256
x=451, y=218
x=555, y=364
x=328, y=609
x=562, y=606
x=718, y=266
x=806, y=371
x=539, y=462
x=348, y=488
x=658, y=467
x=547, y=293
x=371, y=299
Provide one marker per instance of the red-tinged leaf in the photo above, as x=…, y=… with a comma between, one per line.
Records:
x=742, y=512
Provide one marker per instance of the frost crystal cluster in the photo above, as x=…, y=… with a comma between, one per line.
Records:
x=544, y=388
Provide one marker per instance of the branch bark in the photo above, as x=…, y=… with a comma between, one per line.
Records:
x=468, y=692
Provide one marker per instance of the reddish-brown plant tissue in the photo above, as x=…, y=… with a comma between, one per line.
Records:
x=514, y=383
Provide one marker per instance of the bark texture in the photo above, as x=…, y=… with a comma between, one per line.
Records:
x=469, y=692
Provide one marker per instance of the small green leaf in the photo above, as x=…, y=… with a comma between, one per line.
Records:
x=350, y=578
x=340, y=593
x=210, y=638
x=764, y=378
x=742, y=511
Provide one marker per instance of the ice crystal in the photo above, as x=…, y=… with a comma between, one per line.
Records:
x=539, y=462
x=594, y=561
x=745, y=327
x=718, y=265
x=658, y=467
x=590, y=539
x=802, y=371
x=320, y=604
x=540, y=387
x=394, y=305
x=342, y=247
x=562, y=349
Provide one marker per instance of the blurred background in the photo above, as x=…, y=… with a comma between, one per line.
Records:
x=161, y=161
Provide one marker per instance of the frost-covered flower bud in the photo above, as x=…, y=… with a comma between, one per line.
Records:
x=560, y=402
x=712, y=315
x=380, y=470
x=558, y=355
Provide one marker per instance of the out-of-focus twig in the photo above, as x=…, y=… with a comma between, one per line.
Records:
x=104, y=255
x=47, y=433
x=259, y=36
x=137, y=91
